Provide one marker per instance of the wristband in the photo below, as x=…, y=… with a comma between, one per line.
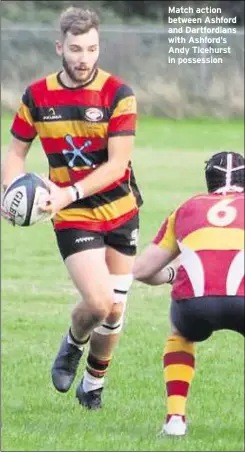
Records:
x=74, y=193
x=171, y=273
x=79, y=190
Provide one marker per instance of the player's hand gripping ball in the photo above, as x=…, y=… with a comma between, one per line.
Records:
x=22, y=198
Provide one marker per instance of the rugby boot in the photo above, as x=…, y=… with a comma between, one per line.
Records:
x=176, y=426
x=65, y=365
x=91, y=399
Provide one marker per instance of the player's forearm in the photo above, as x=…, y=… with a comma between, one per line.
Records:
x=164, y=276
x=103, y=176
x=13, y=166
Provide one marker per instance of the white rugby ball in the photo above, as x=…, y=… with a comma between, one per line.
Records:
x=21, y=200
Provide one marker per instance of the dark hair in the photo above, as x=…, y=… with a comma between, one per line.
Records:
x=78, y=21
x=225, y=170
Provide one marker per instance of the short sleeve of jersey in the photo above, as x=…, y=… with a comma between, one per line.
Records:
x=166, y=237
x=124, y=113
x=23, y=126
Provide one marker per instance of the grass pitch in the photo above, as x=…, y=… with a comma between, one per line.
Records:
x=37, y=298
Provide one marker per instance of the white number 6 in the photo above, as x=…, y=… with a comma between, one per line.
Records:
x=222, y=207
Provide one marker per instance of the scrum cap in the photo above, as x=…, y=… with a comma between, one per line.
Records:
x=225, y=171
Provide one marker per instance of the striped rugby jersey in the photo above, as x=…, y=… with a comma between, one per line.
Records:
x=208, y=229
x=73, y=125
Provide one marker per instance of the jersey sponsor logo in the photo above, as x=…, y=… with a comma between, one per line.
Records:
x=93, y=114
x=52, y=115
x=76, y=156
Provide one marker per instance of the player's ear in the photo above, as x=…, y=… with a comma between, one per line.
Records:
x=58, y=46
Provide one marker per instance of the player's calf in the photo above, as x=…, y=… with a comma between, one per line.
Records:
x=179, y=368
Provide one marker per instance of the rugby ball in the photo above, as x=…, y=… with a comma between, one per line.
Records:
x=21, y=200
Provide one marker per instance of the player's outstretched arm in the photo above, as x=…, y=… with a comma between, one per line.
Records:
x=155, y=266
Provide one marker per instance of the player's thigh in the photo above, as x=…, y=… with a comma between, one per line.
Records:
x=84, y=256
x=121, y=247
x=119, y=263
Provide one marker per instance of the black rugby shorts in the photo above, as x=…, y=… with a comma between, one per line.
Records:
x=124, y=239
x=197, y=318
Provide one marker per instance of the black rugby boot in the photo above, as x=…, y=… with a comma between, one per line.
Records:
x=65, y=365
x=91, y=399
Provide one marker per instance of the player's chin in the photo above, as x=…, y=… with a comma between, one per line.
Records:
x=82, y=76
x=84, y=80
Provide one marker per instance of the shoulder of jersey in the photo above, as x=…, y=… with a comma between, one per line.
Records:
x=42, y=82
x=195, y=198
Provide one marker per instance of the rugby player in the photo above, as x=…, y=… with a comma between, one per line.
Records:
x=85, y=119
x=206, y=234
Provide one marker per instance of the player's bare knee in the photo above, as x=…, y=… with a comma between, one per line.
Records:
x=100, y=305
x=96, y=308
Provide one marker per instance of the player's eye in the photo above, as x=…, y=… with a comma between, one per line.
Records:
x=75, y=49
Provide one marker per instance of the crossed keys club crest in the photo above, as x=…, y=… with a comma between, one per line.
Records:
x=76, y=153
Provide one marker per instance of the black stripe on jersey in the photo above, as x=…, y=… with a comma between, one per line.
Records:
x=122, y=92
x=25, y=140
x=135, y=188
x=28, y=100
x=96, y=158
x=70, y=113
x=99, y=200
x=123, y=133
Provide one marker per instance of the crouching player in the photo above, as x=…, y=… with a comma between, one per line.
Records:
x=207, y=233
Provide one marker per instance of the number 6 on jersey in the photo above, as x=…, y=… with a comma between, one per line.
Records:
x=222, y=214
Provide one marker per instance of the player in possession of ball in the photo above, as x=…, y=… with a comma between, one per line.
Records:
x=207, y=233
x=85, y=119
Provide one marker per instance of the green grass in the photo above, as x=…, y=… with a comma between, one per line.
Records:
x=37, y=298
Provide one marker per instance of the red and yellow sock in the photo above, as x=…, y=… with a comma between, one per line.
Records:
x=179, y=368
x=97, y=367
x=94, y=373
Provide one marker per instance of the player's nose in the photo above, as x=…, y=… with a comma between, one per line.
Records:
x=83, y=58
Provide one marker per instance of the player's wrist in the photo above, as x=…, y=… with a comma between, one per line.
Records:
x=76, y=192
x=171, y=274
x=79, y=188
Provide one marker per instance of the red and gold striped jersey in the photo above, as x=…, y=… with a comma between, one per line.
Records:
x=208, y=229
x=74, y=125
